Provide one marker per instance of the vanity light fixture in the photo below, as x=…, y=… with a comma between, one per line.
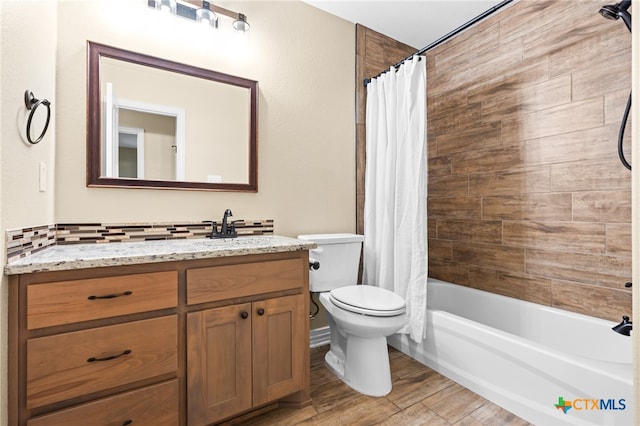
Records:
x=201, y=11
x=241, y=23
x=206, y=16
x=166, y=6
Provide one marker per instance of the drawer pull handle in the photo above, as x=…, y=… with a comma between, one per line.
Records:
x=260, y=311
x=127, y=422
x=109, y=358
x=111, y=296
x=244, y=314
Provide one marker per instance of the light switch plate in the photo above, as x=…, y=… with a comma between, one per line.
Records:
x=42, y=176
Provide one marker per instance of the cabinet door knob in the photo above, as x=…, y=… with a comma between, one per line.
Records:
x=260, y=311
x=244, y=314
x=127, y=422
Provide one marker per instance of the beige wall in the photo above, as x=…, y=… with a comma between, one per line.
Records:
x=27, y=62
x=302, y=58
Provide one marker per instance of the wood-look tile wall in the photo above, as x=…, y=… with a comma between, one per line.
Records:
x=527, y=197
x=375, y=53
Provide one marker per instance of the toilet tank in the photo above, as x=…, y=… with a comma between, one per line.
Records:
x=339, y=258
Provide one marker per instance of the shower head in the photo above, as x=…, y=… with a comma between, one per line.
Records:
x=624, y=327
x=618, y=10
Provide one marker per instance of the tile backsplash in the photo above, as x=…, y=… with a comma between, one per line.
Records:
x=26, y=241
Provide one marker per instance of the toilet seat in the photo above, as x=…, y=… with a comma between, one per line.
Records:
x=368, y=300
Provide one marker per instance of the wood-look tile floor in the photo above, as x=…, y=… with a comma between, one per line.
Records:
x=420, y=396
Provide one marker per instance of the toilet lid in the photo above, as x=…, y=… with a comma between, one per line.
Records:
x=368, y=300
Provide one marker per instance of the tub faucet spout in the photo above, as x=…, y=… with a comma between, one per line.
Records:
x=624, y=327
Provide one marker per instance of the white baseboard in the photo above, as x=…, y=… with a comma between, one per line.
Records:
x=319, y=337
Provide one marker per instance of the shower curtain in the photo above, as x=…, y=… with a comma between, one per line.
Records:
x=395, y=209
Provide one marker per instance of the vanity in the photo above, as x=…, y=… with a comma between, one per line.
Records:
x=176, y=332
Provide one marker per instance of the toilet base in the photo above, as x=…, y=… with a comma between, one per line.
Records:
x=335, y=364
x=365, y=368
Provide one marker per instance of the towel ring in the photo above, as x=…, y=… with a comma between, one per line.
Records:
x=32, y=104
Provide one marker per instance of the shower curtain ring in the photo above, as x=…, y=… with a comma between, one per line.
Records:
x=32, y=104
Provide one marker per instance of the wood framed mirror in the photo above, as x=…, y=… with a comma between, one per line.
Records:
x=155, y=123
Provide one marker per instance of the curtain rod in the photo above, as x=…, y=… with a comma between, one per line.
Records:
x=445, y=37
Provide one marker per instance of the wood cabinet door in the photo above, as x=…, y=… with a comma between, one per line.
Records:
x=278, y=347
x=218, y=363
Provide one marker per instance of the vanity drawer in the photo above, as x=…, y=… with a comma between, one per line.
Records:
x=231, y=281
x=66, y=302
x=151, y=405
x=69, y=365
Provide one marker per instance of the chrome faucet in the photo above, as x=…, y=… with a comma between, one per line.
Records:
x=228, y=230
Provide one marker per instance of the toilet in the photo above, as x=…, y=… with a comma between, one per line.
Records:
x=360, y=317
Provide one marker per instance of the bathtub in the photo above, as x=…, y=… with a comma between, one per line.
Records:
x=524, y=356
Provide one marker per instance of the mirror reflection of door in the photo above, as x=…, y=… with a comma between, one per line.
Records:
x=159, y=142
x=142, y=140
x=130, y=162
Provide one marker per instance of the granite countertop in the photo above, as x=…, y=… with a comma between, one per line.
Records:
x=80, y=256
